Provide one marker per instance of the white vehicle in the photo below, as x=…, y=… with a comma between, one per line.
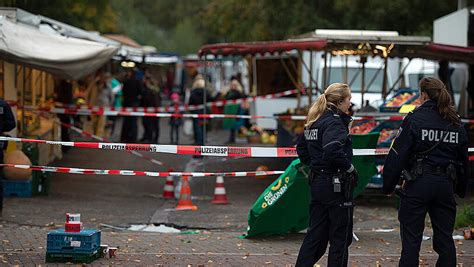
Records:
x=419, y=68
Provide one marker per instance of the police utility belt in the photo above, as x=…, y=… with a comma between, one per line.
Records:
x=342, y=182
x=419, y=167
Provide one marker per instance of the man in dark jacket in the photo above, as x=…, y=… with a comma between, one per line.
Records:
x=132, y=92
x=7, y=123
x=198, y=94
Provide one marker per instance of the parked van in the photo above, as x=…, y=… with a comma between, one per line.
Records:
x=418, y=68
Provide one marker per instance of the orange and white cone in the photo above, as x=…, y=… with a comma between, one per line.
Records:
x=168, y=190
x=185, y=202
x=220, y=196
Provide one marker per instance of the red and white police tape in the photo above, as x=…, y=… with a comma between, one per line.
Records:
x=168, y=115
x=217, y=151
x=85, y=133
x=138, y=173
x=218, y=103
x=222, y=151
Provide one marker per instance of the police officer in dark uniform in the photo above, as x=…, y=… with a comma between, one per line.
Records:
x=431, y=153
x=7, y=123
x=327, y=148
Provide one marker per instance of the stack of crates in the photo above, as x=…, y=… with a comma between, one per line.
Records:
x=70, y=245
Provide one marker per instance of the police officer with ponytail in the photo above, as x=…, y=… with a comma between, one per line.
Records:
x=327, y=148
x=430, y=153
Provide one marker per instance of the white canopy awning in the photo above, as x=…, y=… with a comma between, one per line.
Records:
x=67, y=57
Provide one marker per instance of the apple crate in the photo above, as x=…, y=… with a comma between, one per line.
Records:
x=86, y=241
x=386, y=107
x=387, y=126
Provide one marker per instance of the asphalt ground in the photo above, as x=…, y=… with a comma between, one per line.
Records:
x=211, y=235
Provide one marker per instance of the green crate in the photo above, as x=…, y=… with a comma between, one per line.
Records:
x=73, y=257
x=40, y=183
x=365, y=165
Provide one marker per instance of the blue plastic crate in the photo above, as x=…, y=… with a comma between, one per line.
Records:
x=86, y=241
x=377, y=179
x=13, y=188
x=384, y=108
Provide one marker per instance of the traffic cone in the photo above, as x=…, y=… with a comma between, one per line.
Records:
x=185, y=202
x=220, y=196
x=168, y=189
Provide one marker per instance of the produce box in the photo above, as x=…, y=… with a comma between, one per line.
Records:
x=402, y=97
x=388, y=130
x=363, y=127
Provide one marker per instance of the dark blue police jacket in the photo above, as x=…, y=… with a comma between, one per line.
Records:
x=7, y=122
x=422, y=129
x=326, y=144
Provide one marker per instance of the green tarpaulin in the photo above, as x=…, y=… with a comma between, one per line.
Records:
x=283, y=207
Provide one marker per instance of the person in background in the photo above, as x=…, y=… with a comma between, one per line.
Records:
x=100, y=95
x=116, y=86
x=175, y=122
x=64, y=98
x=235, y=92
x=197, y=98
x=7, y=123
x=431, y=152
x=132, y=92
x=151, y=98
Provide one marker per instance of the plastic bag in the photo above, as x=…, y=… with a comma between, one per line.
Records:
x=188, y=127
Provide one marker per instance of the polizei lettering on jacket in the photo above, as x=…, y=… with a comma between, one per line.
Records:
x=311, y=134
x=437, y=135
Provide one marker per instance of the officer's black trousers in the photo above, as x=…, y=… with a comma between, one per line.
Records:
x=433, y=195
x=329, y=222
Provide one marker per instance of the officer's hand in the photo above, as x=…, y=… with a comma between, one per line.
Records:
x=355, y=175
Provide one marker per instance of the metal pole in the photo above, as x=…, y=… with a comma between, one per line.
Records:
x=325, y=70
x=402, y=74
x=385, y=81
x=204, y=100
x=23, y=115
x=362, y=86
x=311, y=78
x=298, y=80
x=310, y=93
x=346, y=70
x=254, y=76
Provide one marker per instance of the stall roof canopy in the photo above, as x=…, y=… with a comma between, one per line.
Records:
x=228, y=49
x=398, y=46
x=67, y=57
